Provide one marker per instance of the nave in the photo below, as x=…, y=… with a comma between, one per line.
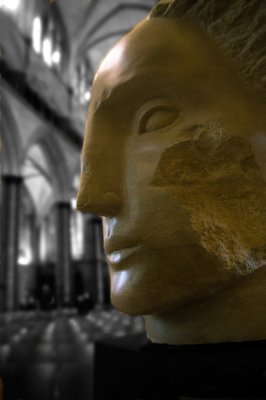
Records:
x=60, y=355
x=104, y=355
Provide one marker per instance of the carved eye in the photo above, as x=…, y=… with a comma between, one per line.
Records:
x=158, y=117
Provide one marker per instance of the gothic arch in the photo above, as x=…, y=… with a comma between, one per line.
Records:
x=120, y=9
x=58, y=170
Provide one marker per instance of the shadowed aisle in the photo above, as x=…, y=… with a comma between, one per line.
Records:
x=52, y=356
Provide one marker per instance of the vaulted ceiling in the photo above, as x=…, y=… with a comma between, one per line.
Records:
x=93, y=26
x=89, y=29
x=50, y=50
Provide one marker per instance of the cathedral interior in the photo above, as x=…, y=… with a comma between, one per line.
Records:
x=58, y=329
x=60, y=336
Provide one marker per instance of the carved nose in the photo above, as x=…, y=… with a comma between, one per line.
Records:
x=91, y=200
x=101, y=182
x=99, y=189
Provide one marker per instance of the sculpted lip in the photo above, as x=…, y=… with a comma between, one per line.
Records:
x=115, y=243
x=119, y=248
x=119, y=255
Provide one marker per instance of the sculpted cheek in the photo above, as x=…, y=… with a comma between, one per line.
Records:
x=204, y=156
x=216, y=179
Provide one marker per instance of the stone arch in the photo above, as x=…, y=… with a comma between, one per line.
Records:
x=89, y=39
x=119, y=9
x=57, y=164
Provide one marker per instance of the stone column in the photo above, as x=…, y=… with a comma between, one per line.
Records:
x=34, y=230
x=9, y=242
x=99, y=260
x=34, y=238
x=94, y=259
x=89, y=271
x=64, y=274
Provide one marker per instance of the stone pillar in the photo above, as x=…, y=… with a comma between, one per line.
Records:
x=89, y=272
x=44, y=248
x=34, y=238
x=34, y=231
x=9, y=242
x=64, y=274
x=94, y=259
x=99, y=260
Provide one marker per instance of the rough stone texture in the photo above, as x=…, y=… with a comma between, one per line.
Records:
x=238, y=26
x=218, y=182
x=181, y=187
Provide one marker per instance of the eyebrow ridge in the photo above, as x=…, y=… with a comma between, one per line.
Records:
x=101, y=100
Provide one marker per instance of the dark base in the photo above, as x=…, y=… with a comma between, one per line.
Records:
x=129, y=370
x=161, y=372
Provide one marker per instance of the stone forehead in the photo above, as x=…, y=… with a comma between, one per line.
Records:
x=157, y=44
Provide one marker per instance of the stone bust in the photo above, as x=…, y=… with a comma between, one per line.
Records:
x=174, y=162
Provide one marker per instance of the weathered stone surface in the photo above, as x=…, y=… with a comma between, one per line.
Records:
x=174, y=162
x=237, y=26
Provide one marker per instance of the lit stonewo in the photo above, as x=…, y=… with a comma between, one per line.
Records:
x=174, y=162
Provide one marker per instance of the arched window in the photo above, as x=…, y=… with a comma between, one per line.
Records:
x=37, y=34
x=9, y=5
x=83, y=81
x=47, y=39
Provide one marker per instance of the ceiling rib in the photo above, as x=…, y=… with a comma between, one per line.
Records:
x=39, y=168
x=120, y=8
x=106, y=37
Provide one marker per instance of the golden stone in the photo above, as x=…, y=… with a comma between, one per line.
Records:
x=177, y=170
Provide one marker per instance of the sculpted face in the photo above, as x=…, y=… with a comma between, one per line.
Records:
x=168, y=162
